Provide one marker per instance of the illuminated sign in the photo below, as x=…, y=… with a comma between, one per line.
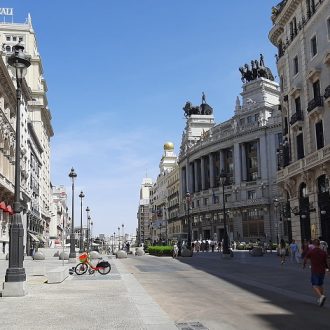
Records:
x=7, y=11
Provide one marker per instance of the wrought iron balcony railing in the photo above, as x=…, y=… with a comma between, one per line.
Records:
x=316, y=102
x=296, y=117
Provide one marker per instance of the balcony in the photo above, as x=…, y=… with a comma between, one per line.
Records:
x=315, y=104
x=327, y=94
x=296, y=117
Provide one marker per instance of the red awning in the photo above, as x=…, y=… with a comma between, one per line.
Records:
x=3, y=206
x=9, y=209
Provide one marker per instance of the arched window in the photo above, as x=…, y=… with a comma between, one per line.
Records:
x=8, y=49
x=322, y=184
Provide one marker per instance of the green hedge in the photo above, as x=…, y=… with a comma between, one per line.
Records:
x=160, y=250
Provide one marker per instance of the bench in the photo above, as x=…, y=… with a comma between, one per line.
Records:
x=57, y=275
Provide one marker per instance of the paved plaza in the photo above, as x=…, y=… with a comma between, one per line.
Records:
x=203, y=292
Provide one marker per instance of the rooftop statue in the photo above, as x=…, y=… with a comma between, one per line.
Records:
x=203, y=109
x=258, y=70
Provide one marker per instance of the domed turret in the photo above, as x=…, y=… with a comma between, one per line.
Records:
x=168, y=146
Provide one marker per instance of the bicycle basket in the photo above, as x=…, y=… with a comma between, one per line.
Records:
x=83, y=257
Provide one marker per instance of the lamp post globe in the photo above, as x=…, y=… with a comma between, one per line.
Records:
x=15, y=274
x=223, y=180
x=81, y=195
x=72, y=254
x=188, y=200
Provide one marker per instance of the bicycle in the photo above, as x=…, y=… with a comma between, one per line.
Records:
x=103, y=267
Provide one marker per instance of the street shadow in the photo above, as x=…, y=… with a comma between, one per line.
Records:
x=287, y=287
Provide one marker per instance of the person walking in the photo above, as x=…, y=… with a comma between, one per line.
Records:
x=282, y=251
x=175, y=251
x=319, y=266
x=304, y=248
x=294, y=251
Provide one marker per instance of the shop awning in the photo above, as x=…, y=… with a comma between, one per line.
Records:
x=34, y=237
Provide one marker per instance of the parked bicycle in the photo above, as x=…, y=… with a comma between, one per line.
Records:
x=103, y=267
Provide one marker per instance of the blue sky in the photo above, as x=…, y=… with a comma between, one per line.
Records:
x=119, y=73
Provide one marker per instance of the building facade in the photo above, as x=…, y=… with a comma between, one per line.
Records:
x=301, y=32
x=144, y=212
x=245, y=148
x=36, y=133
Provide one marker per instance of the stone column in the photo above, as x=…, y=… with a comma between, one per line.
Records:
x=221, y=160
x=262, y=158
x=243, y=161
x=237, y=163
x=196, y=176
x=211, y=162
x=203, y=172
x=191, y=177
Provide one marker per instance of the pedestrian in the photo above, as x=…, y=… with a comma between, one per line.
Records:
x=319, y=266
x=198, y=246
x=207, y=246
x=175, y=251
x=212, y=246
x=304, y=248
x=282, y=251
x=219, y=246
x=294, y=251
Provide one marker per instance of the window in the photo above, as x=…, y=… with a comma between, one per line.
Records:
x=297, y=104
x=253, y=223
x=8, y=38
x=251, y=194
x=300, y=146
x=14, y=38
x=328, y=27
x=313, y=46
x=316, y=89
x=295, y=65
x=251, y=160
x=205, y=201
x=20, y=39
x=227, y=198
x=319, y=135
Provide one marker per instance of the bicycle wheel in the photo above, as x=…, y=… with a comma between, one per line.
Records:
x=81, y=268
x=104, y=270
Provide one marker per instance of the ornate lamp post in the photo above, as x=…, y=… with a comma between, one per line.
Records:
x=88, y=220
x=91, y=234
x=15, y=278
x=223, y=179
x=188, y=201
x=122, y=243
x=118, y=238
x=276, y=205
x=81, y=195
x=72, y=254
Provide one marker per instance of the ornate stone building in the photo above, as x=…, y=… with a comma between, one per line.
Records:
x=36, y=133
x=301, y=32
x=144, y=212
x=245, y=148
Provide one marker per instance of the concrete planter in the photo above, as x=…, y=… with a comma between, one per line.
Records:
x=63, y=256
x=186, y=253
x=39, y=256
x=121, y=255
x=139, y=251
x=94, y=255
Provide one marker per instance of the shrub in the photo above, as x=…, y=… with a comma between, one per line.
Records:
x=160, y=250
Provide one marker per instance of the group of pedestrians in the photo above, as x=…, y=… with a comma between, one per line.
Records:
x=314, y=252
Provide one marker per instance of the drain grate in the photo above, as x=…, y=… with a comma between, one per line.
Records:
x=190, y=326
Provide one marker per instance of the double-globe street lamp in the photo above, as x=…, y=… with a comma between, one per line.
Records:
x=188, y=201
x=81, y=195
x=72, y=254
x=223, y=180
x=15, y=274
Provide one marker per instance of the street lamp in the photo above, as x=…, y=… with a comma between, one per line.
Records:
x=223, y=180
x=113, y=242
x=15, y=274
x=81, y=195
x=91, y=235
x=188, y=200
x=122, y=243
x=118, y=238
x=276, y=205
x=88, y=226
x=72, y=254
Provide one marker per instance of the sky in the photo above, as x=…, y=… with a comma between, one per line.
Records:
x=119, y=73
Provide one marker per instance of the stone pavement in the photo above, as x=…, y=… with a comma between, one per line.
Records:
x=114, y=301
